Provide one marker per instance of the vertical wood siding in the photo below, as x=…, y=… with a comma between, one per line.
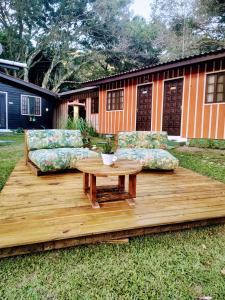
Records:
x=198, y=120
x=61, y=113
x=91, y=118
x=16, y=119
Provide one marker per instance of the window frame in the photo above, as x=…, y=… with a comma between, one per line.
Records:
x=29, y=114
x=215, y=84
x=116, y=105
x=94, y=106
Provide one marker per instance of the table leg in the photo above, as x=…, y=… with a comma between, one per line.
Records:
x=132, y=189
x=85, y=182
x=93, y=192
x=121, y=183
x=132, y=185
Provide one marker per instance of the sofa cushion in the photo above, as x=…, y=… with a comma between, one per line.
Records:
x=53, y=138
x=59, y=158
x=143, y=139
x=150, y=158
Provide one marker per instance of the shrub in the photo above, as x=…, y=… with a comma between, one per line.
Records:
x=85, y=128
x=82, y=125
x=18, y=130
x=207, y=143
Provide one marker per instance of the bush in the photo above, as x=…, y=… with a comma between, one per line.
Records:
x=207, y=143
x=18, y=130
x=82, y=125
x=85, y=128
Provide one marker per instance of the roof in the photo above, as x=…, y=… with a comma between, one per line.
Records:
x=180, y=62
x=27, y=85
x=85, y=89
x=11, y=64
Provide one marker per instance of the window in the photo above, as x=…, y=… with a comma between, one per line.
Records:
x=30, y=105
x=215, y=88
x=94, y=105
x=115, y=100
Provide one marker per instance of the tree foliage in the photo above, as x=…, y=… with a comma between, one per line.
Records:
x=66, y=42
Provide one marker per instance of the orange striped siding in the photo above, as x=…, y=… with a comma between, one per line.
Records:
x=221, y=122
x=200, y=102
x=192, y=103
x=198, y=118
x=126, y=104
x=133, y=105
x=207, y=113
x=101, y=111
x=159, y=110
x=154, y=97
x=91, y=118
x=130, y=99
x=185, y=101
x=212, y=125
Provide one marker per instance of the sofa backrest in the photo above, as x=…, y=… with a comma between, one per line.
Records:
x=53, y=138
x=143, y=139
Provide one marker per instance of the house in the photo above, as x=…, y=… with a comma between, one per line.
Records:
x=24, y=105
x=83, y=102
x=185, y=97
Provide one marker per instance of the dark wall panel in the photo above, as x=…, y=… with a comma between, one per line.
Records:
x=16, y=120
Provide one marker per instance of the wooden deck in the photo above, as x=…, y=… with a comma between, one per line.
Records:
x=51, y=212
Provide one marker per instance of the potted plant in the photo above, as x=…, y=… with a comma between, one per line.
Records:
x=108, y=156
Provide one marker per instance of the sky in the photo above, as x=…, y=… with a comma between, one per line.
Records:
x=141, y=8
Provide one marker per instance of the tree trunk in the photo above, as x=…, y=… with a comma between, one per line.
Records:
x=48, y=73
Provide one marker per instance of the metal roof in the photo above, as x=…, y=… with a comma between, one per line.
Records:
x=85, y=89
x=182, y=61
x=27, y=85
x=9, y=63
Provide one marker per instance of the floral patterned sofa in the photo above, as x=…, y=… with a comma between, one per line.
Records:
x=148, y=147
x=55, y=149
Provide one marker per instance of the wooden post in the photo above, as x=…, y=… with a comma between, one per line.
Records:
x=85, y=182
x=93, y=193
x=132, y=185
x=121, y=183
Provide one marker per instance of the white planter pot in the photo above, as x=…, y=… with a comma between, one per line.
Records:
x=108, y=159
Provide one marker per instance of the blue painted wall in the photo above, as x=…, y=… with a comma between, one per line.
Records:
x=16, y=120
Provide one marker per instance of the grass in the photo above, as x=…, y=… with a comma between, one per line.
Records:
x=10, y=153
x=205, y=161
x=182, y=265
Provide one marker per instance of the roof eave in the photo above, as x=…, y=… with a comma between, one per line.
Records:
x=166, y=66
x=28, y=85
x=78, y=91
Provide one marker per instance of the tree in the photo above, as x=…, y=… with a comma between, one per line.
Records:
x=65, y=42
x=35, y=29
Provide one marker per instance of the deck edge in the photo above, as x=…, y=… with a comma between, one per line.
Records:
x=101, y=238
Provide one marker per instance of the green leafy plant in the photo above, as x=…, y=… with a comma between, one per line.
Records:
x=107, y=147
x=82, y=125
x=18, y=130
x=85, y=128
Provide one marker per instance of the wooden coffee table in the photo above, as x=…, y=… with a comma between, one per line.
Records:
x=93, y=167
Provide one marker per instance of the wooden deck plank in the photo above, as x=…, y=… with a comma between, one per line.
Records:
x=49, y=209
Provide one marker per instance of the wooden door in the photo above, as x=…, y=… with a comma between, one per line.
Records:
x=144, y=107
x=2, y=110
x=172, y=106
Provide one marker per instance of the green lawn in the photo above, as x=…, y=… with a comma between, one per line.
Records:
x=182, y=265
x=10, y=153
